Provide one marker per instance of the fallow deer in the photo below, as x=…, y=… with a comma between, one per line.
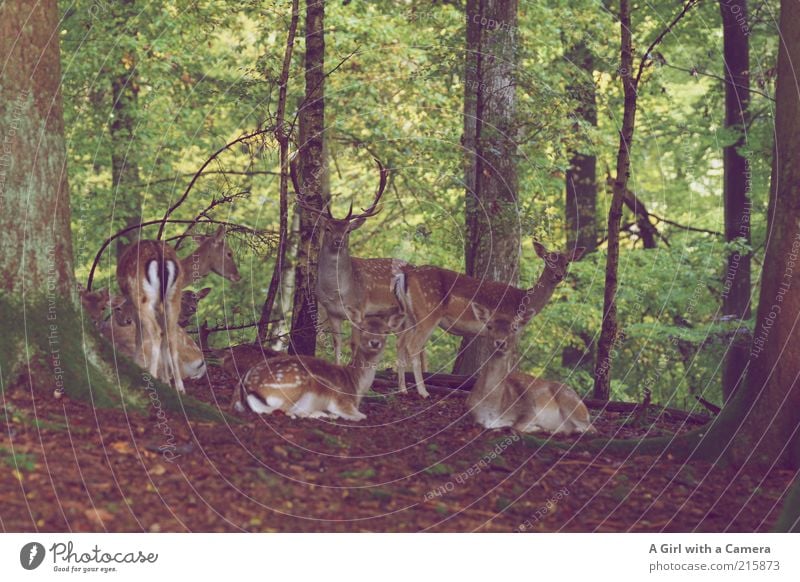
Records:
x=504, y=398
x=465, y=306
x=212, y=255
x=310, y=387
x=150, y=277
x=189, y=302
x=346, y=283
x=120, y=330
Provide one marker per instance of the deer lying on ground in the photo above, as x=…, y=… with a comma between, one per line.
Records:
x=504, y=398
x=313, y=388
x=238, y=360
x=344, y=283
x=465, y=306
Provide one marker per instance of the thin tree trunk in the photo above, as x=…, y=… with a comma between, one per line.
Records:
x=736, y=195
x=492, y=216
x=608, y=334
x=282, y=136
x=313, y=171
x=43, y=347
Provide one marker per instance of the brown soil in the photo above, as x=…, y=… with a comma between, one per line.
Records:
x=413, y=465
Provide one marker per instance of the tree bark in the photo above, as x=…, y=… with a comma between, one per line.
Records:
x=771, y=406
x=282, y=137
x=492, y=218
x=43, y=347
x=313, y=173
x=581, y=179
x=736, y=185
x=122, y=129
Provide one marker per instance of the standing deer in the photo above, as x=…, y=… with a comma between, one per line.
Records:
x=504, y=398
x=150, y=277
x=314, y=388
x=212, y=255
x=344, y=283
x=465, y=306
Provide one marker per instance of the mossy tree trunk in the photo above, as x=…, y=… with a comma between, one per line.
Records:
x=43, y=347
x=492, y=241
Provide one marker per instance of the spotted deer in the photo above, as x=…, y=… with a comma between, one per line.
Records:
x=309, y=387
x=466, y=306
x=505, y=398
x=346, y=283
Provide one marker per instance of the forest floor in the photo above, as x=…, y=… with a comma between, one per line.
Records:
x=413, y=465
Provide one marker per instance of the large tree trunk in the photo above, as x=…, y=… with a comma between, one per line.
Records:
x=771, y=406
x=122, y=129
x=736, y=292
x=580, y=205
x=492, y=218
x=43, y=348
x=313, y=170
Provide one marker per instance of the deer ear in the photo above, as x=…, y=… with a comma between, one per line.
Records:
x=220, y=234
x=357, y=223
x=540, y=250
x=203, y=292
x=483, y=314
x=396, y=320
x=578, y=253
x=115, y=301
x=353, y=315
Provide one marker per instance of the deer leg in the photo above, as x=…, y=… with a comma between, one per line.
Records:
x=171, y=313
x=402, y=362
x=336, y=330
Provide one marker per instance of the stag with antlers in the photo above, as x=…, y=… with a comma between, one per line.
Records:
x=346, y=284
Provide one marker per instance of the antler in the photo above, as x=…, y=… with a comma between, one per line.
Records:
x=301, y=198
x=373, y=209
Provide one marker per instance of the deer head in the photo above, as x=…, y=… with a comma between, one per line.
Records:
x=213, y=256
x=189, y=303
x=373, y=330
x=337, y=230
x=557, y=264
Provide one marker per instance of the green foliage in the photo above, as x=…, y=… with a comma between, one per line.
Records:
x=207, y=71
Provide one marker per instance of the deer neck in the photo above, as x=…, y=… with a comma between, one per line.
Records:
x=195, y=266
x=335, y=271
x=542, y=291
x=488, y=389
x=362, y=372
